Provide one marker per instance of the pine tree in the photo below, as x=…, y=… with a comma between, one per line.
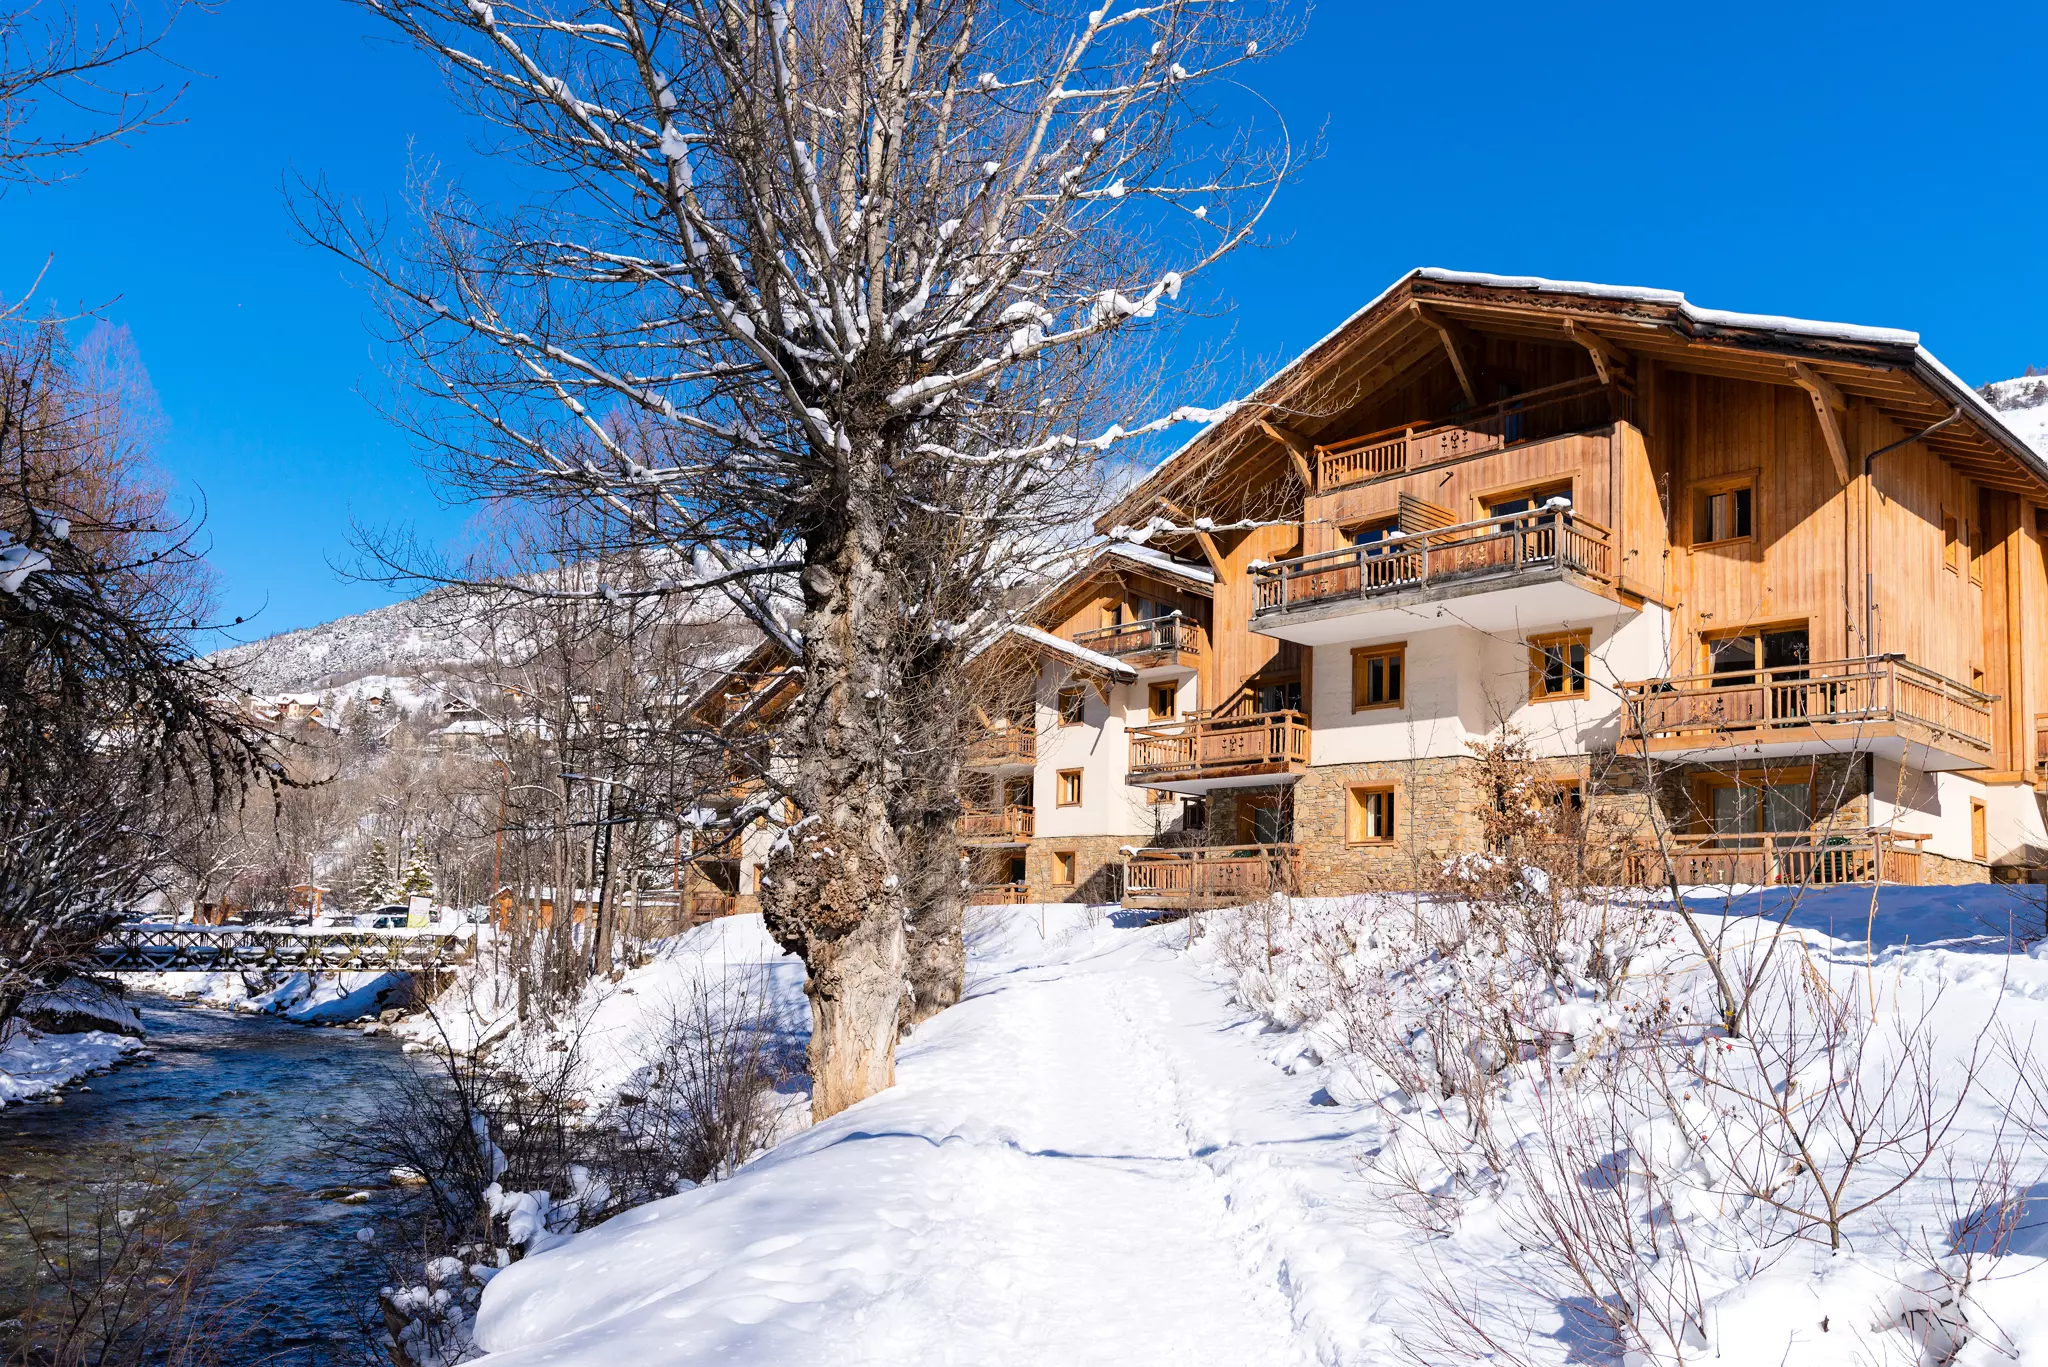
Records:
x=374, y=888
x=417, y=880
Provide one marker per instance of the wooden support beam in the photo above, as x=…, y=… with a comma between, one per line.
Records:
x=1210, y=551
x=1609, y=360
x=1829, y=405
x=1456, y=339
x=1299, y=448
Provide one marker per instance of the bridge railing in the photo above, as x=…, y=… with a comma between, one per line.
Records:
x=162, y=948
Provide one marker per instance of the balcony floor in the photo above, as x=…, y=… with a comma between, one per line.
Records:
x=1907, y=743
x=1498, y=603
x=1195, y=782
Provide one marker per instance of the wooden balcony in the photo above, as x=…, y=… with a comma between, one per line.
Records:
x=1209, y=876
x=1575, y=406
x=1879, y=703
x=1157, y=643
x=1505, y=572
x=1010, y=826
x=1201, y=752
x=999, y=895
x=1813, y=858
x=1014, y=747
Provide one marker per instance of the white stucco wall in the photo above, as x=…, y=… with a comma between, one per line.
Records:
x=1461, y=684
x=1098, y=747
x=1938, y=805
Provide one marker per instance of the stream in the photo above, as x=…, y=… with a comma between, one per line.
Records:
x=251, y=1091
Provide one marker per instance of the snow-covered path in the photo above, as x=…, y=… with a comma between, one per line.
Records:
x=1088, y=1161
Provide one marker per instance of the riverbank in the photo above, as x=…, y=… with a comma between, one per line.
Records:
x=35, y=1064
x=303, y=998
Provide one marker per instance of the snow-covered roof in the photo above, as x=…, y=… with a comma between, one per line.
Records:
x=1939, y=377
x=1095, y=660
x=1161, y=561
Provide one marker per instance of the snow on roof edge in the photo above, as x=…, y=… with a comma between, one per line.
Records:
x=1782, y=323
x=1115, y=668
x=1160, y=560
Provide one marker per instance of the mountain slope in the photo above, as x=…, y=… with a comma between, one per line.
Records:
x=2023, y=404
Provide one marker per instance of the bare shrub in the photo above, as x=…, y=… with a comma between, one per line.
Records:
x=706, y=1102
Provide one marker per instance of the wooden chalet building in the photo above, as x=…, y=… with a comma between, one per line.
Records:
x=1782, y=579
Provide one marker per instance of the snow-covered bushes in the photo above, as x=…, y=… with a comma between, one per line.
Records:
x=1596, y=1165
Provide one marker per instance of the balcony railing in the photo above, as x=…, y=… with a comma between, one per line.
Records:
x=999, y=895
x=1538, y=415
x=1010, y=824
x=997, y=749
x=1781, y=858
x=1752, y=704
x=1201, y=743
x=1217, y=875
x=1502, y=548
x=1153, y=636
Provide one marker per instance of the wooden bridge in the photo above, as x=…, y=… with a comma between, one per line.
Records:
x=163, y=948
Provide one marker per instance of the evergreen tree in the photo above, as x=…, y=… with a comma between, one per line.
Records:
x=373, y=888
x=417, y=880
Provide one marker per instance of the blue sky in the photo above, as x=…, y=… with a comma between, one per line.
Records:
x=1875, y=163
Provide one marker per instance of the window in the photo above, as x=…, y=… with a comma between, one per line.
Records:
x=1564, y=801
x=1376, y=676
x=1951, y=550
x=1528, y=500
x=1980, y=838
x=1372, y=533
x=1755, y=802
x=1974, y=549
x=1069, y=792
x=1194, y=815
x=1783, y=650
x=757, y=880
x=1723, y=512
x=1163, y=700
x=1557, y=666
x=1279, y=696
x=1016, y=869
x=1063, y=868
x=1263, y=820
x=1371, y=818
x=1017, y=791
x=1073, y=701
x=1159, y=797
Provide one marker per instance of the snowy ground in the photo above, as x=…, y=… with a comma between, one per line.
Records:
x=33, y=1064
x=308, y=998
x=1105, y=1155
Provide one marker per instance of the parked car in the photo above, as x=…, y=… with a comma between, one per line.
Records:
x=392, y=917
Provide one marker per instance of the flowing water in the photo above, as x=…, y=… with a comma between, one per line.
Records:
x=241, y=1100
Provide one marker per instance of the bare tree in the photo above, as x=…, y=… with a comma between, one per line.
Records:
x=802, y=271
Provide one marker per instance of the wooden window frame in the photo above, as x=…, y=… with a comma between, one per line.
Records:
x=1703, y=784
x=1701, y=490
x=1483, y=501
x=1390, y=520
x=1172, y=692
x=1980, y=829
x=1065, y=868
x=1159, y=797
x=1059, y=791
x=1079, y=693
x=1361, y=657
x=1755, y=633
x=1951, y=557
x=1973, y=550
x=1539, y=662
x=1355, y=795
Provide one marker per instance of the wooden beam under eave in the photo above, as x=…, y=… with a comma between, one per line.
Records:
x=1455, y=339
x=1298, y=448
x=1609, y=360
x=1828, y=406
x=1210, y=551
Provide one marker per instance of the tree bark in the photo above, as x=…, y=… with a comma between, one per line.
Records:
x=832, y=894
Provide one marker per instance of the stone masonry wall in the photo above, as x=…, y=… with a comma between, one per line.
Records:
x=1439, y=807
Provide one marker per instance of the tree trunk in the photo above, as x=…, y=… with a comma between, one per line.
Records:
x=832, y=895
